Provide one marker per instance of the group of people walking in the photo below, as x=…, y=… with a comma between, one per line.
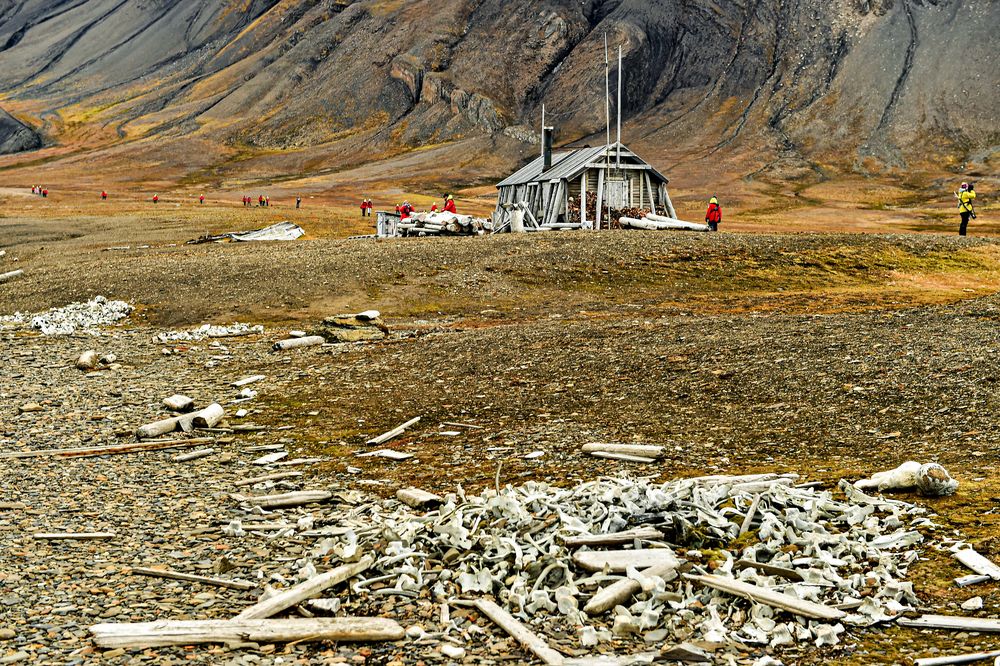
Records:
x=39, y=190
x=262, y=201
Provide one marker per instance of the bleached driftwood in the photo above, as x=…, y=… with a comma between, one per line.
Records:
x=4, y=277
x=621, y=560
x=536, y=645
x=239, y=383
x=157, y=428
x=162, y=633
x=267, y=477
x=73, y=536
x=624, y=457
x=644, y=450
x=970, y=658
x=955, y=622
x=619, y=592
x=661, y=224
x=305, y=590
x=769, y=597
x=395, y=432
x=92, y=451
x=191, y=578
x=615, y=539
x=193, y=455
x=203, y=418
x=292, y=343
x=88, y=360
x=287, y=499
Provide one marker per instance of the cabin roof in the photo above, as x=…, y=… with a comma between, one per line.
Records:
x=567, y=165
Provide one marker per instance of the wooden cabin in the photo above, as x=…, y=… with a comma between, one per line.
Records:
x=551, y=188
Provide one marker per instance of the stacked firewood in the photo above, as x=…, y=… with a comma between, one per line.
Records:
x=440, y=224
x=573, y=215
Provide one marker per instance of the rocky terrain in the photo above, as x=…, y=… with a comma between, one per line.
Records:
x=792, y=85
x=827, y=356
x=15, y=136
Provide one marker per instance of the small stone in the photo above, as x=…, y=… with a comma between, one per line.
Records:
x=975, y=603
x=88, y=360
x=415, y=631
x=111, y=654
x=6, y=633
x=29, y=407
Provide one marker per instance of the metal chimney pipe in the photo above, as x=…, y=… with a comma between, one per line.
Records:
x=546, y=148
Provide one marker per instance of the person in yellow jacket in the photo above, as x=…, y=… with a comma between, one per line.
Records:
x=965, y=195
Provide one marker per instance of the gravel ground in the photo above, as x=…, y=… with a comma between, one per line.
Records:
x=825, y=393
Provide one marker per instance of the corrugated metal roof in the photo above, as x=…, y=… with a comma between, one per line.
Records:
x=531, y=172
x=565, y=165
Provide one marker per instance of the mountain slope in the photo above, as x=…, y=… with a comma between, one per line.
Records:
x=857, y=83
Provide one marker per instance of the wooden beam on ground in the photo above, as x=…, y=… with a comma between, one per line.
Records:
x=395, y=432
x=286, y=499
x=619, y=592
x=142, y=635
x=116, y=449
x=305, y=590
x=73, y=536
x=615, y=539
x=267, y=477
x=769, y=597
x=191, y=578
x=644, y=450
x=954, y=622
x=620, y=560
x=193, y=455
x=4, y=277
x=535, y=644
x=624, y=457
x=970, y=658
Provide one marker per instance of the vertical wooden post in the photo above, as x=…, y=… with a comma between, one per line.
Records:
x=649, y=188
x=641, y=190
x=600, y=198
x=669, y=204
x=583, y=201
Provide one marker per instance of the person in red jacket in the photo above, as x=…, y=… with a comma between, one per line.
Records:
x=201, y=199
x=45, y=193
x=713, y=216
x=449, y=205
x=156, y=198
x=364, y=207
x=104, y=195
x=434, y=208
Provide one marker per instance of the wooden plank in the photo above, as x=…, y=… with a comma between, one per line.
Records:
x=649, y=188
x=73, y=536
x=92, y=451
x=644, y=450
x=191, y=578
x=583, y=200
x=4, y=277
x=770, y=597
x=970, y=658
x=978, y=563
x=163, y=633
x=305, y=590
x=621, y=456
x=193, y=455
x=620, y=560
x=536, y=645
x=395, y=432
x=267, y=477
x=954, y=622
x=239, y=383
x=287, y=499
x=600, y=198
x=615, y=539
x=619, y=592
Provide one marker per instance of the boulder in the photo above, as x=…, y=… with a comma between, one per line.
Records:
x=361, y=327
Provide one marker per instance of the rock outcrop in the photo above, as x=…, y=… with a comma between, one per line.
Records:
x=15, y=136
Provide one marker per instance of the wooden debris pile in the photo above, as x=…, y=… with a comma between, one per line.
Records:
x=441, y=224
x=624, y=558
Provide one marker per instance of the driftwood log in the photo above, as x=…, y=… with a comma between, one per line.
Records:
x=4, y=277
x=292, y=343
x=304, y=590
x=190, y=632
x=619, y=592
x=93, y=451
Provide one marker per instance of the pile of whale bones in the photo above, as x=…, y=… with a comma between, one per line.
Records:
x=682, y=547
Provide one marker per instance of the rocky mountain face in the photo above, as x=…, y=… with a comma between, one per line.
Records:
x=15, y=136
x=859, y=83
